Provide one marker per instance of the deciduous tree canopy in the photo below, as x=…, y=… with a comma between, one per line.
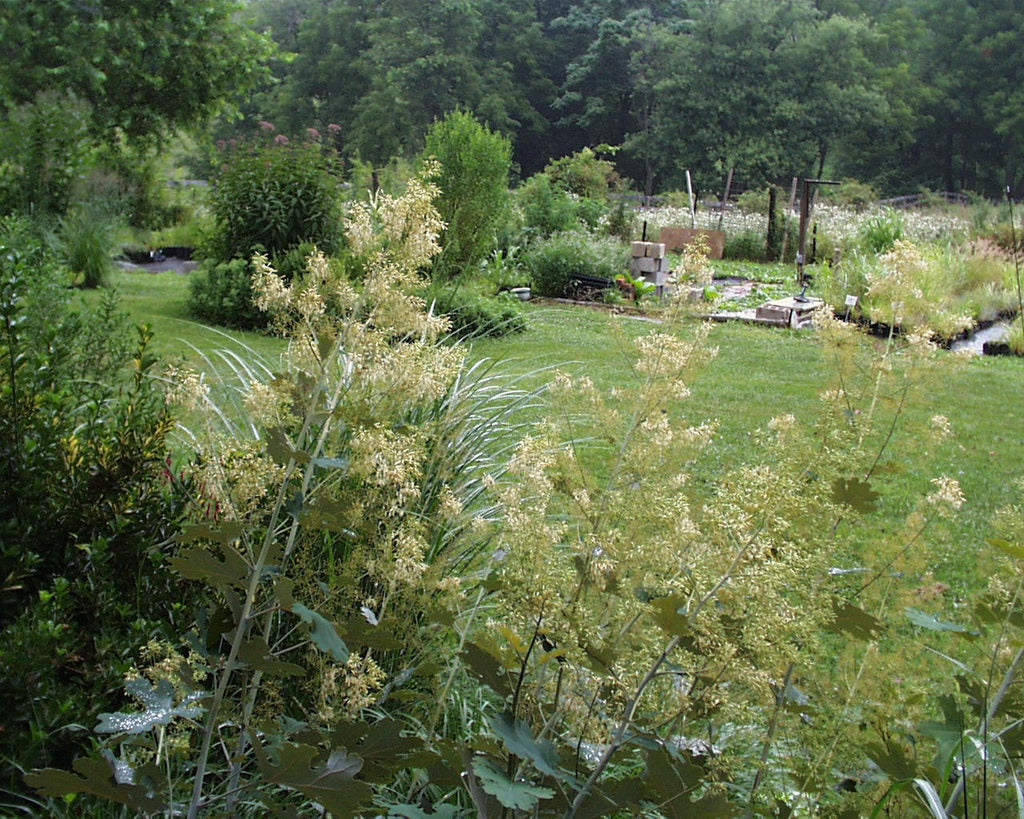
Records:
x=145, y=66
x=902, y=94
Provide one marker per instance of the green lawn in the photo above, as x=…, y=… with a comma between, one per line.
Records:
x=759, y=373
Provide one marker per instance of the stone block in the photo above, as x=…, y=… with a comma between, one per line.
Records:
x=773, y=315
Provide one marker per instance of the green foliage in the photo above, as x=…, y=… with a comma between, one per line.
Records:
x=474, y=315
x=221, y=293
x=272, y=197
x=45, y=148
x=86, y=509
x=556, y=262
x=343, y=505
x=473, y=178
x=754, y=201
x=621, y=221
x=546, y=208
x=852, y=193
x=177, y=63
x=880, y=232
x=929, y=289
x=88, y=237
x=748, y=245
x=583, y=174
x=133, y=177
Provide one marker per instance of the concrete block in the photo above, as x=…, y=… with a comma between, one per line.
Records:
x=639, y=250
x=655, y=250
x=644, y=265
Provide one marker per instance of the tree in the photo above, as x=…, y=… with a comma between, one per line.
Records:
x=145, y=67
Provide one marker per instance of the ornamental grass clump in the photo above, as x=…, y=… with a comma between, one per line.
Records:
x=941, y=289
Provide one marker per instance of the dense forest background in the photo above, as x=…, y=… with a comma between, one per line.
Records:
x=902, y=94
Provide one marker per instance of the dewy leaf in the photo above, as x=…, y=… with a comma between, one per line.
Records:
x=324, y=634
x=924, y=620
x=256, y=654
x=198, y=563
x=855, y=621
x=414, y=812
x=855, y=493
x=158, y=702
x=519, y=740
x=97, y=778
x=332, y=782
x=514, y=795
x=487, y=669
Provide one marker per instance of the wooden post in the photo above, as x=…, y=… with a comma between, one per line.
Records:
x=689, y=192
x=785, y=222
x=725, y=198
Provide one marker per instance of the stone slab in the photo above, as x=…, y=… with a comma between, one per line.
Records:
x=677, y=238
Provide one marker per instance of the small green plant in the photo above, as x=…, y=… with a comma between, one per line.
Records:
x=474, y=315
x=502, y=269
x=221, y=293
x=88, y=237
x=879, y=233
x=634, y=288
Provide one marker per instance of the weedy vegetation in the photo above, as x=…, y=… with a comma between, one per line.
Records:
x=387, y=565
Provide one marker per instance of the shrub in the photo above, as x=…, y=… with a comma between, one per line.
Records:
x=555, y=262
x=46, y=147
x=272, y=197
x=87, y=507
x=591, y=212
x=621, y=220
x=475, y=315
x=473, y=178
x=584, y=175
x=850, y=192
x=753, y=201
x=747, y=245
x=221, y=293
x=546, y=208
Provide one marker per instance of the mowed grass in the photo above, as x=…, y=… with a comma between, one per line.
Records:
x=161, y=301
x=758, y=373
